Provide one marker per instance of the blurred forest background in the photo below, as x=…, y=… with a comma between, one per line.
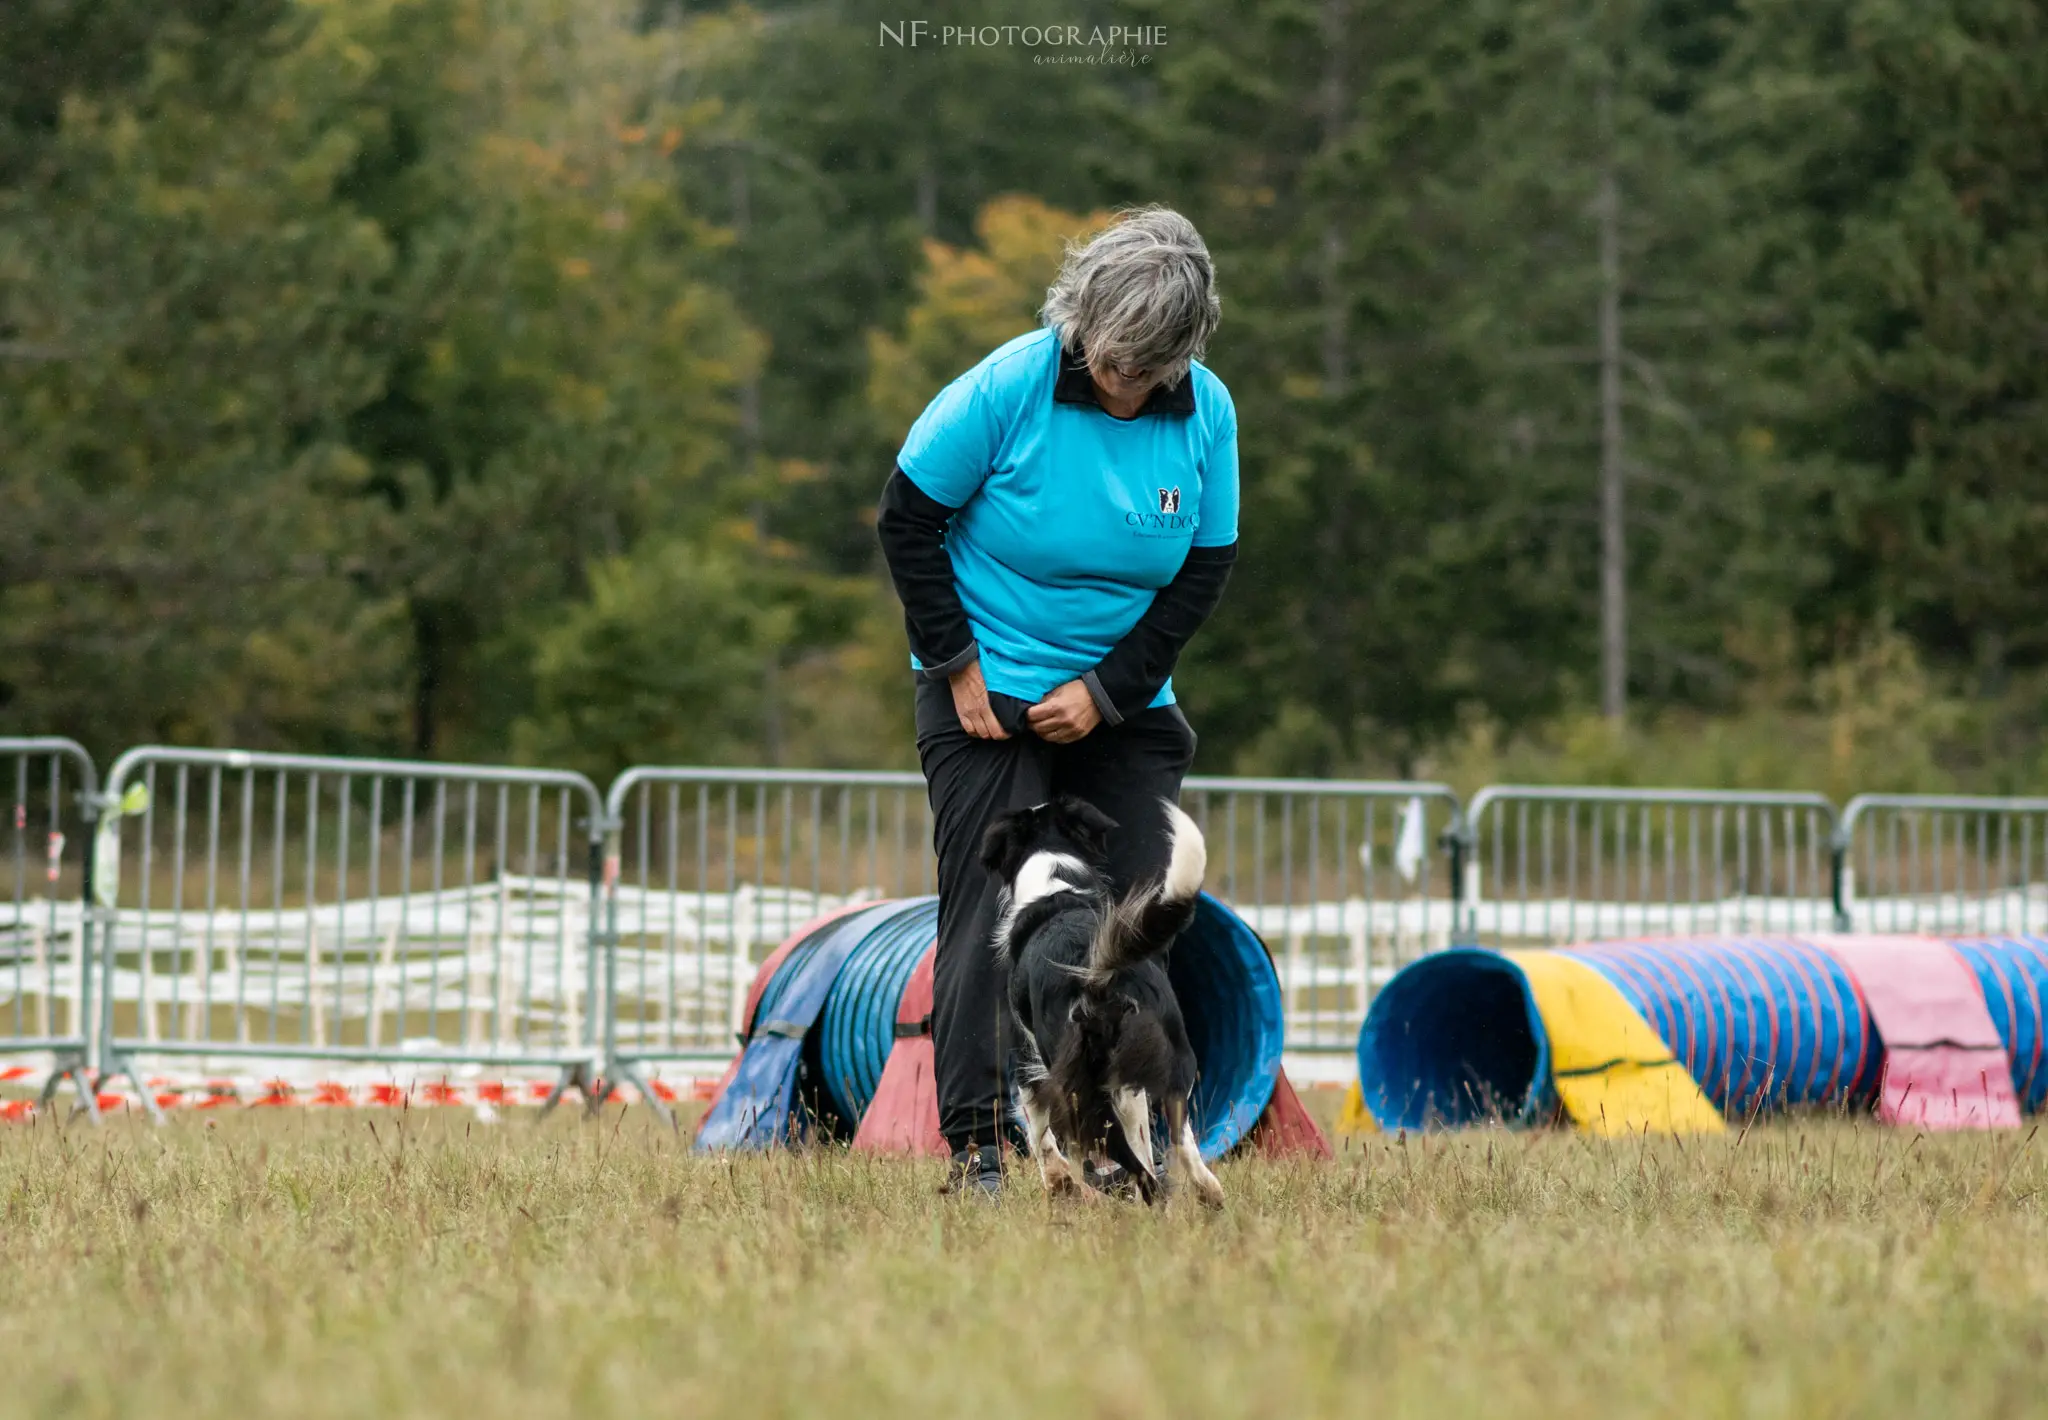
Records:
x=494, y=379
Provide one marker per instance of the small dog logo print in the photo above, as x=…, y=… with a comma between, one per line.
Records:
x=1169, y=500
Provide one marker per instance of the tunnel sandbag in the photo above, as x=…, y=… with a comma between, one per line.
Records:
x=1612, y=1072
x=1454, y=1039
x=1353, y=1117
x=764, y=974
x=2013, y=974
x=757, y=1109
x=903, y=1116
x=859, y=1023
x=1945, y=1064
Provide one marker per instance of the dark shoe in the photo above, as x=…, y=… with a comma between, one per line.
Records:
x=975, y=1171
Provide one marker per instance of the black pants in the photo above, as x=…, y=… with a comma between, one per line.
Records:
x=1124, y=770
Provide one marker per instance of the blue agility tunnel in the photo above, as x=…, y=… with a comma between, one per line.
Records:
x=1758, y=1022
x=1456, y=1039
x=827, y=1021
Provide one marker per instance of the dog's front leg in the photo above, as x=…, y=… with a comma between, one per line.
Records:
x=1133, y=1110
x=1188, y=1166
x=1054, y=1167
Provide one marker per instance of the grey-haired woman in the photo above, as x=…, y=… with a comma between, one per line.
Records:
x=1061, y=520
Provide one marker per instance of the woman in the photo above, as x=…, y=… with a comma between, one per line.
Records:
x=1061, y=520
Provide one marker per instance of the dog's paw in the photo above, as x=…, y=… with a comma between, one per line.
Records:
x=1062, y=1181
x=1070, y=1189
x=1197, y=1181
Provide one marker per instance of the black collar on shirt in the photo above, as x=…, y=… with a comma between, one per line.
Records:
x=1076, y=386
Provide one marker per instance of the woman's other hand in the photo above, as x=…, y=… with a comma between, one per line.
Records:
x=1066, y=715
x=970, y=702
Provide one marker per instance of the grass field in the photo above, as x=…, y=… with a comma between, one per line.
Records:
x=312, y=1263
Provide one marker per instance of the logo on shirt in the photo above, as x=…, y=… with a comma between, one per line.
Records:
x=1169, y=500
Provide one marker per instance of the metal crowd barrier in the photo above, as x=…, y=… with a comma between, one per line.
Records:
x=709, y=870
x=1951, y=866
x=1342, y=880
x=276, y=906
x=1548, y=866
x=224, y=906
x=46, y=933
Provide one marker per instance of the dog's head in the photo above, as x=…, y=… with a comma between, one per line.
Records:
x=1066, y=825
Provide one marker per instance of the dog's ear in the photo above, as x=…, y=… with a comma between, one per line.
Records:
x=1089, y=825
x=1003, y=845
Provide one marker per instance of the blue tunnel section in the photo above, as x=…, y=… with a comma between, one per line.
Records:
x=2014, y=974
x=859, y=1023
x=1454, y=1039
x=1755, y=1020
x=1229, y=994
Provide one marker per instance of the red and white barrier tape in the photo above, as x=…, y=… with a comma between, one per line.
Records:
x=334, y=1094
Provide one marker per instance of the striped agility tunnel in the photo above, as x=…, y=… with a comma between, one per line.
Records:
x=1677, y=1034
x=836, y=1039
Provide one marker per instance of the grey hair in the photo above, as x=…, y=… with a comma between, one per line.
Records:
x=1141, y=292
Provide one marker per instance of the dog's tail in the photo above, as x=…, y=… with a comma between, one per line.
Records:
x=1145, y=923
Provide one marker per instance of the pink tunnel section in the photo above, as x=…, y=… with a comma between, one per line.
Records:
x=903, y=1117
x=1945, y=1065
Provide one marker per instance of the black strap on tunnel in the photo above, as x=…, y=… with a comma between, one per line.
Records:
x=1604, y=1066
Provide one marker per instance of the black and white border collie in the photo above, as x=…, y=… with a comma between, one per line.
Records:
x=1101, y=1041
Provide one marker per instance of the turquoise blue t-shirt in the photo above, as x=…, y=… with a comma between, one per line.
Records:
x=1070, y=520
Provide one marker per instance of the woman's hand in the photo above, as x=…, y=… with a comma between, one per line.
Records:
x=1066, y=715
x=970, y=702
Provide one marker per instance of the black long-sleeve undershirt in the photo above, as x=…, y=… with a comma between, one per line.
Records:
x=912, y=527
x=1126, y=680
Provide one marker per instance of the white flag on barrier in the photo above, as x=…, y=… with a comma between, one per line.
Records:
x=1412, y=846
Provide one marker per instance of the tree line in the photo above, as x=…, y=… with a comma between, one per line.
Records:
x=514, y=378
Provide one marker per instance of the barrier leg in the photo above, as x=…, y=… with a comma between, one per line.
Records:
x=582, y=1078
x=119, y=1064
x=631, y=1075
x=78, y=1071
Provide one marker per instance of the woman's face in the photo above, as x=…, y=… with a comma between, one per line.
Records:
x=1123, y=385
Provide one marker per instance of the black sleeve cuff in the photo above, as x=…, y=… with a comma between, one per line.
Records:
x=946, y=670
x=1103, y=704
